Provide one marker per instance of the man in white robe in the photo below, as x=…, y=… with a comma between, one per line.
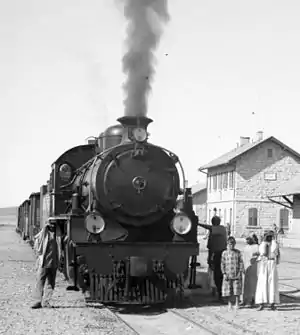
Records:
x=267, y=291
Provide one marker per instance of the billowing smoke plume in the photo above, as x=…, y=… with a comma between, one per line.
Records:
x=145, y=19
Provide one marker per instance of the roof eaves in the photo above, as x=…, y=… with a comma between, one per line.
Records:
x=238, y=154
x=208, y=166
x=199, y=191
x=286, y=147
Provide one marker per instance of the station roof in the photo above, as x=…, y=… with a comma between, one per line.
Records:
x=291, y=187
x=198, y=187
x=284, y=195
x=232, y=155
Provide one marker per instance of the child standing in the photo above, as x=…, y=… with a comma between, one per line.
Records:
x=232, y=268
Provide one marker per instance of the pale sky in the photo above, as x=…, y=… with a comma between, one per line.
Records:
x=232, y=69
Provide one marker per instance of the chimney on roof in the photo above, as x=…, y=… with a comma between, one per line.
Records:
x=259, y=136
x=244, y=140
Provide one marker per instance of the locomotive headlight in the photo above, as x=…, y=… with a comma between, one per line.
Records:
x=94, y=223
x=181, y=224
x=65, y=172
x=139, y=134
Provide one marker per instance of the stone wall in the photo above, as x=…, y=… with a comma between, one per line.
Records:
x=268, y=215
x=253, y=170
x=254, y=167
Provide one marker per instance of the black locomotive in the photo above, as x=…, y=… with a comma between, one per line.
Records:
x=115, y=201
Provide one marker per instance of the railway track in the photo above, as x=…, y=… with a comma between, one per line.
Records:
x=291, y=263
x=214, y=320
x=180, y=321
x=222, y=325
x=131, y=328
x=177, y=322
x=191, y=320
x=289, y=294
x=160, y=321
x=289, y=285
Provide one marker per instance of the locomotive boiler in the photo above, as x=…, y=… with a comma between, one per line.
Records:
x=130, y=182
x=115, y=201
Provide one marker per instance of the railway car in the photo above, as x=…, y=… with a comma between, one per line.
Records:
x=23, y=219
x=20, y=221
x=115, y=201
x=44, y=204
x=34, y=216
x=18, y=227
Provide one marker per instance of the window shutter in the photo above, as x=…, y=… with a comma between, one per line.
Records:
x=252, y=221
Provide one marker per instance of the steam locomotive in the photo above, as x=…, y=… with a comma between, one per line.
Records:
x=115, y=201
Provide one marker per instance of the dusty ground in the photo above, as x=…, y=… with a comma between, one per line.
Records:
x=286, y=320
x=17, y=280
x=71, y=316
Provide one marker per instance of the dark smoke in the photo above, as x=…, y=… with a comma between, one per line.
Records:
x=145, y=18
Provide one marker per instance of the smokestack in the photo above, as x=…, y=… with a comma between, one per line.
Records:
x=131, y=122
x=259, y=136
x=244, y=140
x=144, y=30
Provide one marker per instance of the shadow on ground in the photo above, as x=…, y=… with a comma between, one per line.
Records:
x=189, y=302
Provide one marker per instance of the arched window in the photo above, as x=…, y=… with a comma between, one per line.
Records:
x=252, y=217
x=284, y=218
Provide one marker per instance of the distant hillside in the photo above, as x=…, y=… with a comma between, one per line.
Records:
x=8, y=211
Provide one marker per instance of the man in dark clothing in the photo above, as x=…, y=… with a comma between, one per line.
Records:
x=217, y=243
x=47, y=245
x=215, y=221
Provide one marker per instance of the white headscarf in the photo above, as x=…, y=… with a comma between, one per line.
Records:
x=273, y=250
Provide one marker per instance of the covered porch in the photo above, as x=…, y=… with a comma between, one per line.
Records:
x=288, y=196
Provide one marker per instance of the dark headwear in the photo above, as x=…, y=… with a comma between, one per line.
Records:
x=269, y=234
x=216, y=221
x=231, y=240
x=255, y=238
x=249, y=239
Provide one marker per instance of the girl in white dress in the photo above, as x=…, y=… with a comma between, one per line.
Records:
x=267, y=291
x=251, y=252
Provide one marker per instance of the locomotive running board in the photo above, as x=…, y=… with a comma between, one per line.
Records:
x=121, y=250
